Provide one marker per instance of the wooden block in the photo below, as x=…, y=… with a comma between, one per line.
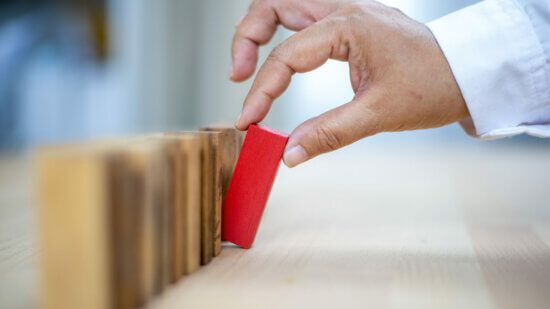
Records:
x=191, y=191
x=147, y=159
x=136, y=202
x=174, y=239
x=230, y=142
x=251, y=184
x=126, y=216
x=100, y=224
x=172, y=231
x=165, y=200
x=136, y=215
x=229, y=147
x=74, y=228
x=210, y=193
x=185, y=164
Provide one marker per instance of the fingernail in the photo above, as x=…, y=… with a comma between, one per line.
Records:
x=294, y=156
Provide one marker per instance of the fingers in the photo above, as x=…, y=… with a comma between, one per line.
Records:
x=332, y=130
x=258, y=26
x=303, y=52
x=255, y=29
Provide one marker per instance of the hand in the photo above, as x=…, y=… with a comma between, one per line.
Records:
x=261, y=21
x=399, y=74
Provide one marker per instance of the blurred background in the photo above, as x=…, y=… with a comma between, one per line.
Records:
x=72, y=70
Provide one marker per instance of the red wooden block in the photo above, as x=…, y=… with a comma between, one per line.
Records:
x=251, y=183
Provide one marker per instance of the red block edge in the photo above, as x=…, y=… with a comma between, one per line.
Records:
x=251, y=184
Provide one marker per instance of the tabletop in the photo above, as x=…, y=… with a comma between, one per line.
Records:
x=386, y=227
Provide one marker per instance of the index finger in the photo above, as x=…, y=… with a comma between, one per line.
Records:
x=302, y=52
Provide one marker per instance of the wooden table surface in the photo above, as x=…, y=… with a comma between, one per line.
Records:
x=409, y=227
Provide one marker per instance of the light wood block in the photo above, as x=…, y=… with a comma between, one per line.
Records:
x=101, y=224
x=144, y=161
x=74, y=223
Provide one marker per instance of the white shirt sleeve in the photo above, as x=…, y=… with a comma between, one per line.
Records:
x=499, y=53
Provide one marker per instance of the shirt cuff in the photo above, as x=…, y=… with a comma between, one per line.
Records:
x=498, y=63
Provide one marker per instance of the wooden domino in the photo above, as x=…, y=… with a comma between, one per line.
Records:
x=122, y=219
x=211, y=193
x=251, y=184
x=98, y=225
x=230, y=140
x=185, y=213
x=136, y=226
x=74, y=239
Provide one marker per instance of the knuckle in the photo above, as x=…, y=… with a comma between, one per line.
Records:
x=357, y=7
x=373, y=116
x=278, y=53
x=242, y=28
x=335, y=22
x=352, y=7
x=256, y=3
x=354, y=15
x=268, y=3
x=327, y=138
x=239, y=32
x=263, y=4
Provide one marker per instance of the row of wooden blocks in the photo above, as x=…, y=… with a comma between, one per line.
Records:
x=121, y=220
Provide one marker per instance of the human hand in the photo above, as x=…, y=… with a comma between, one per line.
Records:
x=259, y=24
x=399, y=74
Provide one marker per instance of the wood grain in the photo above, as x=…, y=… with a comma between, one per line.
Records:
x=211, y=195
x=185, y=164
x=230, y=141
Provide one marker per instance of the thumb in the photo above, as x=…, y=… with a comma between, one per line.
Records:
x=332, y=130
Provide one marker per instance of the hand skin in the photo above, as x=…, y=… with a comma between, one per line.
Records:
x=400, y=76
